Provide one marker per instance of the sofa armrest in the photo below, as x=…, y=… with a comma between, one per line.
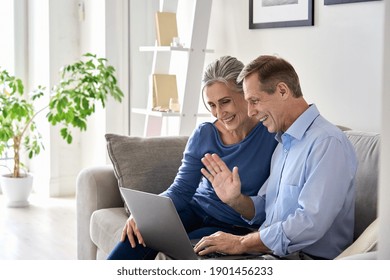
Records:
x=366, y=242
x=96, y=188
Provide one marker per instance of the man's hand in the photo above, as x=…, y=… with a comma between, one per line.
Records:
x=220, y=242
x=230, y=244
x=131, y=231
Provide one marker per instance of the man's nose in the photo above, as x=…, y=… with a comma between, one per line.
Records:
x=252, y=111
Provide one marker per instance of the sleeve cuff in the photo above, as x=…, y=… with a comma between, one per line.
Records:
x=274, y=238
x=259, y=204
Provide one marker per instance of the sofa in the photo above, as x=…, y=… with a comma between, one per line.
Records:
x=150, y=164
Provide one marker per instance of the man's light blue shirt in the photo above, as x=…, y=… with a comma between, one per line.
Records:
x=307, y=203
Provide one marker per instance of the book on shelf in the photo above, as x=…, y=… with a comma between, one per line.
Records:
x=164, y=89
x=166, y=28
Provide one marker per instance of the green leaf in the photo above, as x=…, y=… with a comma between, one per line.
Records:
x=20, y=87
x=64, y=132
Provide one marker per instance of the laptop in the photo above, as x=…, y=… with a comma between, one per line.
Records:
x=162, y=229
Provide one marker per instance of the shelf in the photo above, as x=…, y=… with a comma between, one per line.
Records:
x=164, y=114
x=163, y=49
x=169, y=49
x=165, y=62
x=155, y=113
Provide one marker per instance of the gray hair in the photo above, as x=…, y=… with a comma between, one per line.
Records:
x=225, y=70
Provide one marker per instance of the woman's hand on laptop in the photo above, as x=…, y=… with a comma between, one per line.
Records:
x=133, y=234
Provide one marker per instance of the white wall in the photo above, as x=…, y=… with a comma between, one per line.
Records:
x=64, y=37
x=59, y=36
x=104, y=31
x=53, y=41
x=7, y=24
x=142, y=33
x=338, y=59
x=92, y=39
x=39, y=74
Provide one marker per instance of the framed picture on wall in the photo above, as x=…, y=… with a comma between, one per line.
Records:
x=280, y=13
x=333, y=2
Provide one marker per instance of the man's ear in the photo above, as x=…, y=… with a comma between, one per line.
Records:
x=283, y=90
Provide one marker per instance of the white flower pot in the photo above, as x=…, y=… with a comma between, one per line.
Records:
x=16, y=190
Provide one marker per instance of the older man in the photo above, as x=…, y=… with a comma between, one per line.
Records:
x=306, y=207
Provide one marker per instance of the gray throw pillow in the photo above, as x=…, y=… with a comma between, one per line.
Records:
x=145, y=164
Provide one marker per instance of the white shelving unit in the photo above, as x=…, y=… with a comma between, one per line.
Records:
x=195, y=55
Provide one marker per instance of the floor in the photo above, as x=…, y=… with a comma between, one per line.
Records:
x=45, y=230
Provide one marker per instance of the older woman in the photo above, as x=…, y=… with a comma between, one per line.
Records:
x=235, y=137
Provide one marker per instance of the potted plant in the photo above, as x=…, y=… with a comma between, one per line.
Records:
x=71, y=102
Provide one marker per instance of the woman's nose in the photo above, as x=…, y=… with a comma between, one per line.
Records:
x=219, y=111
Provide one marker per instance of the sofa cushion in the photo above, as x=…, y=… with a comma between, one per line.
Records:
x=367, y=242
x=106, y=228
x=146, y=164
x=367, y=146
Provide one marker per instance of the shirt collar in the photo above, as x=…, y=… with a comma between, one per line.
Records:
x=301, y=124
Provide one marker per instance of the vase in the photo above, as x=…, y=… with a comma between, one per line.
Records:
x=16, y=190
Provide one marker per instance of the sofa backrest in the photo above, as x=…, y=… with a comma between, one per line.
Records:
x=367, y=146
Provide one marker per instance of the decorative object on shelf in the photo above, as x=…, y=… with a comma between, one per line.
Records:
x=174, y=105
x=333, y=2
x=71, y=102
x=189, y=72
x=176, y=43
x=166, y=28
x=280, y=13
x=164, y=88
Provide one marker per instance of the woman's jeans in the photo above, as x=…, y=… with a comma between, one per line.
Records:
x=197, y=224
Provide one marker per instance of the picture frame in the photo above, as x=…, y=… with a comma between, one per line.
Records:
x=280, y=13
x=334, y=2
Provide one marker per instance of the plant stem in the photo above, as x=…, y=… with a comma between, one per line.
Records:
x=16, y=140
x=30, y=120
